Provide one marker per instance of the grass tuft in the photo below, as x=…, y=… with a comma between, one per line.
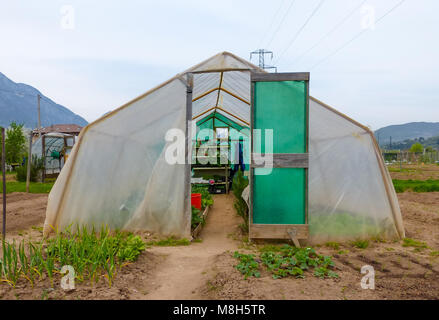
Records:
x=333, y=245
x=360, y=244
x=409, y=242
x=416, y=185
x=169, y=242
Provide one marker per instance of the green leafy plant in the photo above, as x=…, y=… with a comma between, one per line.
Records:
x=247, y=265
x=238, y=185
x=197, y=218
x=284, y=261
x=131, y=248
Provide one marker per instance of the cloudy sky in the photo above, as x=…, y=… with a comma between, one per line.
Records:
x=376, y=64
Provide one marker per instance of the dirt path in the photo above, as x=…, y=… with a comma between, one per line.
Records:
x=185, y=269
x=24, y=210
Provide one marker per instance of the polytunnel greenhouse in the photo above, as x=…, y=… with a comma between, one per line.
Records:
x=314, y=174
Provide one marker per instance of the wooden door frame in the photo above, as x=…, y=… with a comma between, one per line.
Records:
x=280, y=231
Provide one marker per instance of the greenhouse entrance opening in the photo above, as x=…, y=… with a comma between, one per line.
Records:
x=221, y=141
x=224, y=108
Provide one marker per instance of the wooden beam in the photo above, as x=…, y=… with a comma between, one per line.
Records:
x=203, y=113
x=235, y=96
x=278, y=231
x=231, y=114
x=204, y=94
x=283, y=76
x=280, y=160
x=219, y=91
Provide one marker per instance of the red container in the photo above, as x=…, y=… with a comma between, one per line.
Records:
x=196, y=200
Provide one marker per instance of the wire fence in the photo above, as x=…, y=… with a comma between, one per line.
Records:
x=407, y=157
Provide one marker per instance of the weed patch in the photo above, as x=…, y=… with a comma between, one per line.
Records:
x=416, y=185
x=360, y=244
x=408, y=242
x=169, y=242
x=333, y=245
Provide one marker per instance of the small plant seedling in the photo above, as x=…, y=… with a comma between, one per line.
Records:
x=434, y=253
x=360, y=244
x=333, y=245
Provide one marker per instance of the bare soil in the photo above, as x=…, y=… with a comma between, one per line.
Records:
x=415, y=172
x=205, y=270
x=24, y=210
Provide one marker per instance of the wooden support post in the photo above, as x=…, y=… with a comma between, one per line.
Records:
x=4, y=183
x=29, y=162
x=293, y=235
x=43, y=154
x=188, y=156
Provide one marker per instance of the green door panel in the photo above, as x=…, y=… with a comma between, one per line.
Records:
x=281, y=106
x=280, y=196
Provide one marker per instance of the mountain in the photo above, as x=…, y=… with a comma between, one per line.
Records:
x=406, y=144
x=18, y=102
x=408, y=131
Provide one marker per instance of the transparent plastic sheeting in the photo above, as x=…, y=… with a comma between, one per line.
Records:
x=347, y=191
x=116, y=173
x=53, y=142
x=119, y=176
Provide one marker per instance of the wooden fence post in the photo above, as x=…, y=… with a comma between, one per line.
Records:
x=4, y=183
x=29, y=162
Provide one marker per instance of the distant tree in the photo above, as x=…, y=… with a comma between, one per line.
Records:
x=15, y=143
x=429, y=149
x=417, y=147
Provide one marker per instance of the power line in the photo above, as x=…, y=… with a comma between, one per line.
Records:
x=338, y=25
x=271, y=23
x=261, y=54
x=281, y=22
x=300, y=30
x=356, y=36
